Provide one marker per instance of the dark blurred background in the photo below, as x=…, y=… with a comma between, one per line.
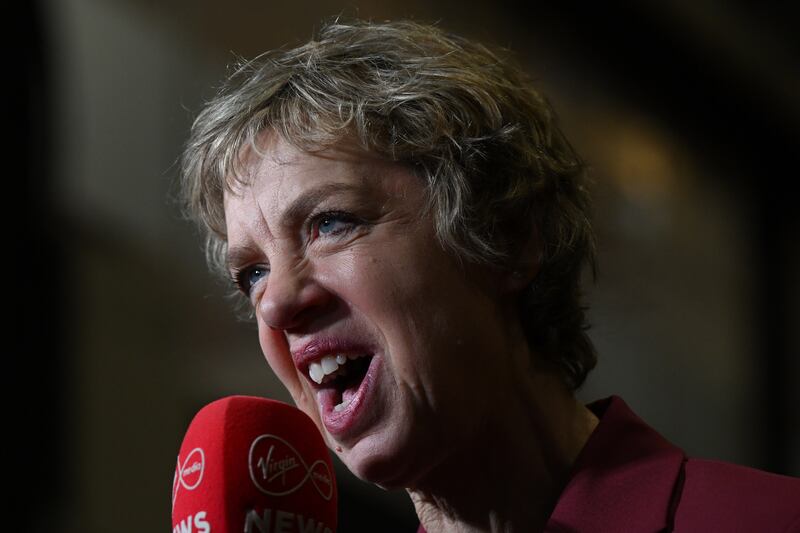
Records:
x=688, y=112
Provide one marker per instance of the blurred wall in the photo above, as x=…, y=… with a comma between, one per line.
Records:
x=695, y=311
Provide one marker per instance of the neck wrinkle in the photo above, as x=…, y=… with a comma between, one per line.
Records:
x=522, y=461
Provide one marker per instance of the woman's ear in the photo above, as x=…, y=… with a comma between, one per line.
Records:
x=520, y=278
x=526, y=266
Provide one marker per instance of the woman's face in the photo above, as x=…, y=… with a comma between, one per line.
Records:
x=391, y=348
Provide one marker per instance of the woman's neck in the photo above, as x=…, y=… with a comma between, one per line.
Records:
x=510, y=476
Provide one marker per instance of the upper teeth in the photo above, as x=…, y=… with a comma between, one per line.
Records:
x=328, y=365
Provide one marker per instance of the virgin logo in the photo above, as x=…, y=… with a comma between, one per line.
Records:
x=189, y=474
x=277, y=469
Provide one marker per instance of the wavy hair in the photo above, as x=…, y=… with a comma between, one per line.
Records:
x=464, y=118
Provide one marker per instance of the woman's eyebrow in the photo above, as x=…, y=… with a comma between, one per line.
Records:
x=306, y=201
x=238, y=256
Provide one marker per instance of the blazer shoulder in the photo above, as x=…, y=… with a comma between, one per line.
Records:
x=721, y=496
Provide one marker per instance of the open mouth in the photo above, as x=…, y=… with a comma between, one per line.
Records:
x=339, y=377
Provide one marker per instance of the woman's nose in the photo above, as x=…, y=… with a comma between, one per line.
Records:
x=291, y=300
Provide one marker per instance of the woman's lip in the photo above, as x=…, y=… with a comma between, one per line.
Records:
x=349, y=421
x=316, y=349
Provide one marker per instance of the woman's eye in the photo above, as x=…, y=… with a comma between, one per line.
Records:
x=329, y=225
x=246, y=278
x=332, y=224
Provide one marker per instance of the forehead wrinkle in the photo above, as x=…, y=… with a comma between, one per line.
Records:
x=241, y=245
x=239, y=255
x=252, y=158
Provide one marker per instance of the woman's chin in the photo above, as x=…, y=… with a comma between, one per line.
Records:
x=390, y=467
x=380, y=471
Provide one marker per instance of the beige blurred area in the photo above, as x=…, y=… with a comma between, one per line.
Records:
x=150, y=336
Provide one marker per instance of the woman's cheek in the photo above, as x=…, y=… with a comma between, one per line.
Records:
x=276, y=351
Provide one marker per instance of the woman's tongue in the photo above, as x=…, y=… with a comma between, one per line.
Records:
x=338, y=395
x=348, y=393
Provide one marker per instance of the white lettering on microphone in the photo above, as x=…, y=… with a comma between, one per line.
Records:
x=195, y=467
x=281, y=522
x=278, y=469
x=200, y=523
x=189, y=474
x=272, y=468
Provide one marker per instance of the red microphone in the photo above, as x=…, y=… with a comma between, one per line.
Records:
x=256, y=466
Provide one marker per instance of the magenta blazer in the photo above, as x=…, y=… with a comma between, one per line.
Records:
x=629, y=479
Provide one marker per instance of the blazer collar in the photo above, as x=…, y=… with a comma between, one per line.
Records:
x=623, y=479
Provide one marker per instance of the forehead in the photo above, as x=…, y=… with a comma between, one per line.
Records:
x=280, y=183
x=273, y=166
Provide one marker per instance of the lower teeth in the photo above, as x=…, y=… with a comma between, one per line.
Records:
x=342, y=406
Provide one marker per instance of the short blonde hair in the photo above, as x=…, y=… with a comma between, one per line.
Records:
x=465, y=119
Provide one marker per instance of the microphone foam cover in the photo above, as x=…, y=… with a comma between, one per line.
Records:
x=251, y=464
